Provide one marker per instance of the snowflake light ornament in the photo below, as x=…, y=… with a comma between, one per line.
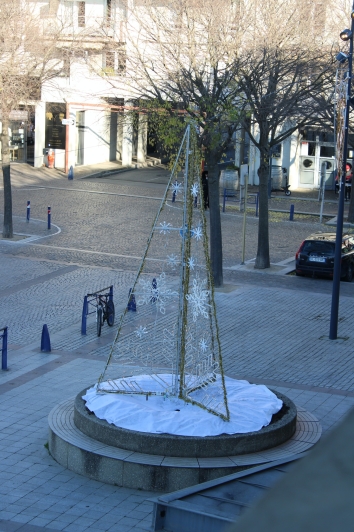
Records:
x=195, y=189
x=172, y=261
x=203, y=346
x=198, y=232
x=198, y=298
x=140, y=332
x=191, y=263
x=165, y=228
x=176, y=187
x=156, y=292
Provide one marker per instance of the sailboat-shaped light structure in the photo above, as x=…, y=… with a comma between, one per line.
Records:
x=170, y=346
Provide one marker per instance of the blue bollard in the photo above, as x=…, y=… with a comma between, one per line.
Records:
x=45, y=340
x=28, y=211
x=131, y=301
x=71, y=173
x=49, y=217
x=4, y=350
x=292, y=208
x=84, y=316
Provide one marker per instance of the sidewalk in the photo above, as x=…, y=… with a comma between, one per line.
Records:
x=273, y=330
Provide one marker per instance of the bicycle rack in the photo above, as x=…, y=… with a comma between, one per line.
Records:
x=90, y=299
x=4, y=348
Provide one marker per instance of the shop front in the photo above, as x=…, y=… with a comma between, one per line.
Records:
x=317, y=151
x=21, y=136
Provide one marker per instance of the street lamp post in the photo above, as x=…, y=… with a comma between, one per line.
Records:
x=346, y=35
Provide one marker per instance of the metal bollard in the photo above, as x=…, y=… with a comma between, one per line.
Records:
x=71, y=173
x=28, y=211
x=4, y=350
x=49, y=217
x=84, y=316
x=224, y=201
x=292, y=208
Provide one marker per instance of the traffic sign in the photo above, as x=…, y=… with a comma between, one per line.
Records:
x=68, y=121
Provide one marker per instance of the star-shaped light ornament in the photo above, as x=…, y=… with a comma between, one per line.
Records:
x=203, y=346
x=172, y=261
x=165, y=228
x=198, y=232
x=191, y=263
x=140, y=332
x=176, y=187
x=195, y=189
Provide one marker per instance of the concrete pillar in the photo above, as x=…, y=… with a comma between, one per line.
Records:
x=239, y=139
x=142, y=139
x=294, y=162
x=127, y=141
x=39, y=139
x=120, y=119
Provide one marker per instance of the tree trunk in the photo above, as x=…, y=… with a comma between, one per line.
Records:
x=262, y=258
x=215, y=223
x=7, y=231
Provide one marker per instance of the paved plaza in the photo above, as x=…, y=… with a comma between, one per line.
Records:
x=273, y=327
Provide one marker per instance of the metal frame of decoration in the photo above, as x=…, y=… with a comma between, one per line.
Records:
x=170, y=346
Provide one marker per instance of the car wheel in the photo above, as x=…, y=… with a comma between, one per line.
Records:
x=299, y=274
x=349, y=275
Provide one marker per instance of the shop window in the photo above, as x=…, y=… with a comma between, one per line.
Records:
x=327, y=151
x=311, y=135
x=276, y=151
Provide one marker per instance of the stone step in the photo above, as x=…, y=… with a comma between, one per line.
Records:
x=112, y=465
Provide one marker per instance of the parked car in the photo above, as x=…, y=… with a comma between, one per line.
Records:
x=316, y=256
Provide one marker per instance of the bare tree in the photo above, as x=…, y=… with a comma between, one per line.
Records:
x=263, y=63
x=28, y=57
x=184, y=54
x=285, y=77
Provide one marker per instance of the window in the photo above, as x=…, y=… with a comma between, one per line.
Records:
x=114, y=62
x=109, y=11
x=81, y=14
x=276, y=151
x=110, y=61
x=122, y=58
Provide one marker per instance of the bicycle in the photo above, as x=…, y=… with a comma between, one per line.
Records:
x=104, y=311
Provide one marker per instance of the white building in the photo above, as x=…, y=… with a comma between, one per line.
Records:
x=99, y=125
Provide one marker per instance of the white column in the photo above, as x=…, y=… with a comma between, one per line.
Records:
x=294, y=162
x=238, y=142
x=142, y=139
x=120, y=119
x=39, y=139
x=127, y=141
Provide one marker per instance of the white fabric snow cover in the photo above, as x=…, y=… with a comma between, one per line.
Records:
x=251, y=408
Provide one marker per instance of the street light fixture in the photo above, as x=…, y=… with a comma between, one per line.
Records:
x=345, y=35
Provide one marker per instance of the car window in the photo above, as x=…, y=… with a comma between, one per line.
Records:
x=318, y=246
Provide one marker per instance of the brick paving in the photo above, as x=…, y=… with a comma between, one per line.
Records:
x=274, y=329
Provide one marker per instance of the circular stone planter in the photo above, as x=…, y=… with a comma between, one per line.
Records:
x=281, y=429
